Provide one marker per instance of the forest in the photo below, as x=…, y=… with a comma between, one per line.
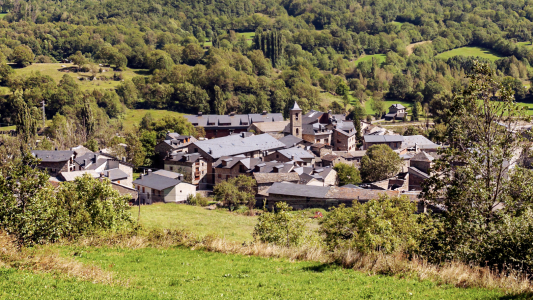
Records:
x=248, y=57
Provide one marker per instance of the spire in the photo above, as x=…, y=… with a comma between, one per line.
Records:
x=296, y=107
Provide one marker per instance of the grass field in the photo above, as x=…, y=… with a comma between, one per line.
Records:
x=526, y=44
x=180, y=273
x=470, y=51
x=199, y=220
x=52, y=70
x=380, y=57
x=2, y=15
x=134, y=116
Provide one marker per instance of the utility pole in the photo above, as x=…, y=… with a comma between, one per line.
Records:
x=44, y=117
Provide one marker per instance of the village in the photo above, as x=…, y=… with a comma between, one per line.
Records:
x=291, y=161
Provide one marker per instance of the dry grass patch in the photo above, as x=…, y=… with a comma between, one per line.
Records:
x=47, y=261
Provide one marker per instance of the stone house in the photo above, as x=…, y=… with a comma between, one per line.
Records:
x=173, y=143
x=420, y=166
x=393, y=141
x=322, y=176
x=301, y=156
x=266, y=180
x=246, y=144
x=192, y=165
x=275, y=129
x=228, y=167
x=396, y=112
x=162, y=188
x=55, y=162
x=118, y=171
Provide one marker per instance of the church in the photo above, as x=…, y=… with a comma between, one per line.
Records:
x=322, y=128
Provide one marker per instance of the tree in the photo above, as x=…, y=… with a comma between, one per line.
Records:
x=134, y=150
x=342, y=89
x=220, y=102
x=478, y=182
x=358, y=114
x=347, y=174
x=87, y=117
x=416, y=110
x=25, y=122
x=400, y=86
x=282, y=227
x=159, y=60
x=22, y=56
x=378, y=106
x=385, y=224
x=236, y=191
x=78, y=59
x=380, y=162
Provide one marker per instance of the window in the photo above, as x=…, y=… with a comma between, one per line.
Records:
x=297, y=131
x=171, y=168
x=138, y=187
x=180, y=192
x=118, y=181
x=297, y=115
x=143, y=190
x=195, y=150
x=277, y=155
x=219, y=175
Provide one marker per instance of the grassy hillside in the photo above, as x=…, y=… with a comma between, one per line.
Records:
x=197, y=219
x=470, y=51
x=380, y=57
x=53, y=70
x=134, y=116
x=179, y=273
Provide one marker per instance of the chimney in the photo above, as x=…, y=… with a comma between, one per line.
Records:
x=264, y=112
x=95, y=157
x=199, y=113
x=232, y=113
x=102, y=175
x=149, y=172
x=124, y=159
x=56, y=148
x=85, y=163
x=142, y=176
x=293, y=157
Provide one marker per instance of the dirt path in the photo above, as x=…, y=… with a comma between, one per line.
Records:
x=411, y=47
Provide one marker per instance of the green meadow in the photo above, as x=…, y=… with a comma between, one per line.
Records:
x=181, y=273
x=470, y=51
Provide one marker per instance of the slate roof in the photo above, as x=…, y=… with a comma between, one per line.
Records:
x=275, y=177
x=235, y=144
x=423, y=156
x=398, y=106
x=115, y=174
x=207, y=121
x=383, y=138
x=157, y=182
x=296, y=107
x=299, y=190
x=182, y=156
x=290, y=140
x=297, y=152
x=420, y=140
x=71, y=176
x=52, y=156
x=417, y=172
x=80, y=150
x=89, y=156
x=357, y=194
x=277, y=126
x=168, y=174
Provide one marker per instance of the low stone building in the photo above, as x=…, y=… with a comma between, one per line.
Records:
x=191, y=165
x=160, y=188
x=173, y=143
x=301, y=156
x=266, y=180
x=393, y=141
x=318, y=176
x=55, y=162
x=301, y=196
x=396, y=112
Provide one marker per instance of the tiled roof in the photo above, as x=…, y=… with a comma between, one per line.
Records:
x=235, y=144
x=300, y=190
x=157, y=182
x=168, y=174
x=271, y=126
x=275, y=177
x=422, y=156
x=383, y=138
x=52, y=156
x=290, y=140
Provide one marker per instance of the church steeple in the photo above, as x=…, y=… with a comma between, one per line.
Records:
x=296, y=120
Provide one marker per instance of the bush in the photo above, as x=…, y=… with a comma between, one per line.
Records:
x=387, y=225
x=198, y=200
x=36, y=213
x=281, y=227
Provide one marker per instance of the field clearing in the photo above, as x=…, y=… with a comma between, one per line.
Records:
x=529, y=106
x=388, y=103
x=380, y=57
x=470, y=51
x=52, y=70
x=196, y=219
x=525, y=44
x=181, y=273
x=2, y=15
x=133, y=117
x=411, y=47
